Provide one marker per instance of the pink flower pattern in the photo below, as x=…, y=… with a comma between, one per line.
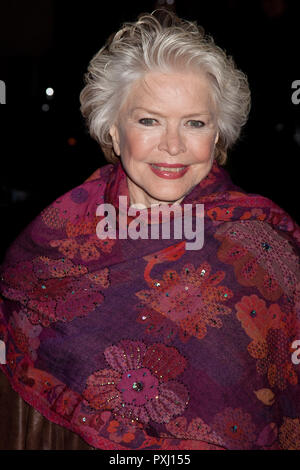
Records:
x=235, y=427
x=140, y=385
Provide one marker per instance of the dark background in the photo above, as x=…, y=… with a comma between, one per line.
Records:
x=46, y=150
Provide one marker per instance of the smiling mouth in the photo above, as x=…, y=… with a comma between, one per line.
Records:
x=169, y=171
x=175, y=169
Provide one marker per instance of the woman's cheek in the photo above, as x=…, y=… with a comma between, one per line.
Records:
x=203, y=149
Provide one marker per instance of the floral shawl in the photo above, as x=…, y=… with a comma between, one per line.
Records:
x=143, y=344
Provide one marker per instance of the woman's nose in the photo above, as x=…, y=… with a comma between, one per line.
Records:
x=172, y=142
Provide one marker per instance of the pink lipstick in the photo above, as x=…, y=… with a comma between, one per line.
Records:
x=169, y=170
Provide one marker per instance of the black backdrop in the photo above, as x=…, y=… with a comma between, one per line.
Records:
x=45, y=149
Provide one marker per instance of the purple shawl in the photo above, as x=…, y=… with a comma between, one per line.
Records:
x=143, y=344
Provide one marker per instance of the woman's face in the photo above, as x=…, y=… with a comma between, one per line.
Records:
x=167, y=119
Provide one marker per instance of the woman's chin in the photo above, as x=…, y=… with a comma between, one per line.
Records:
x=169, y=198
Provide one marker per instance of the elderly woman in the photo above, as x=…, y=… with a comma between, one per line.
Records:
x=143, y=342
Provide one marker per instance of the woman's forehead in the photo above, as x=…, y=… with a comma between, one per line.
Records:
x=157, y=90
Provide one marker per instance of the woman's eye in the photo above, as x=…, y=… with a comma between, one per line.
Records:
x=196, y=123
x=147, y=121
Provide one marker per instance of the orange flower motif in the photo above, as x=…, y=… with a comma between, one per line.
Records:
x=251, y=312
x=113, y=426
x=270, y=343
x=67, y=247
x=253, y=213
x=289, y=434
x=121, y=432
x=290, y=374
x=256, y=319
x=84, y=226
x=89, y=250
x=220, y=213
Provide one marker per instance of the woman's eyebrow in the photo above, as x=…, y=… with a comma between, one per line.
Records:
x=152, y=111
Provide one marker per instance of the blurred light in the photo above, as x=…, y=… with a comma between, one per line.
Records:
x=19, y=195
x=45, y=107
x=166, y=3
x=296, y=135
x=279, y=127
x=49, y=92
x=72, y=141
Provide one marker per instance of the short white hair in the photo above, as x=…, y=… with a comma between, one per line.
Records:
x=162, y=42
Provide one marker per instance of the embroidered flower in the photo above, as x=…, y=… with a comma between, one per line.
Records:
x=140, y=384
x=66, y=403
x=260, y=257
x=76, y=301
x=67, y=247
x=41, y=383
x=220, y=213
x=256, y=318
x=82, y=226
x=235, y=427
x=271, y=339
x=88, y=251
x=85, y=417
x=53, y=218
x=58, y=298
x=106, y=244
x=20, y=275
x=186, y=303
x=289, y=434
x=121, y=431
x=277, y=361
x=88, y=247
x=45, y=267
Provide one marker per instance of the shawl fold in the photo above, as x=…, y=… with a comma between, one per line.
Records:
x=145, y=344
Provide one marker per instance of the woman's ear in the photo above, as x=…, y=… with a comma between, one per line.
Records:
x=114, y=133
x=217, y=138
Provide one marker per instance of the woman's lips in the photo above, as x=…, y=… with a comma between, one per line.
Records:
x=169, y=171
